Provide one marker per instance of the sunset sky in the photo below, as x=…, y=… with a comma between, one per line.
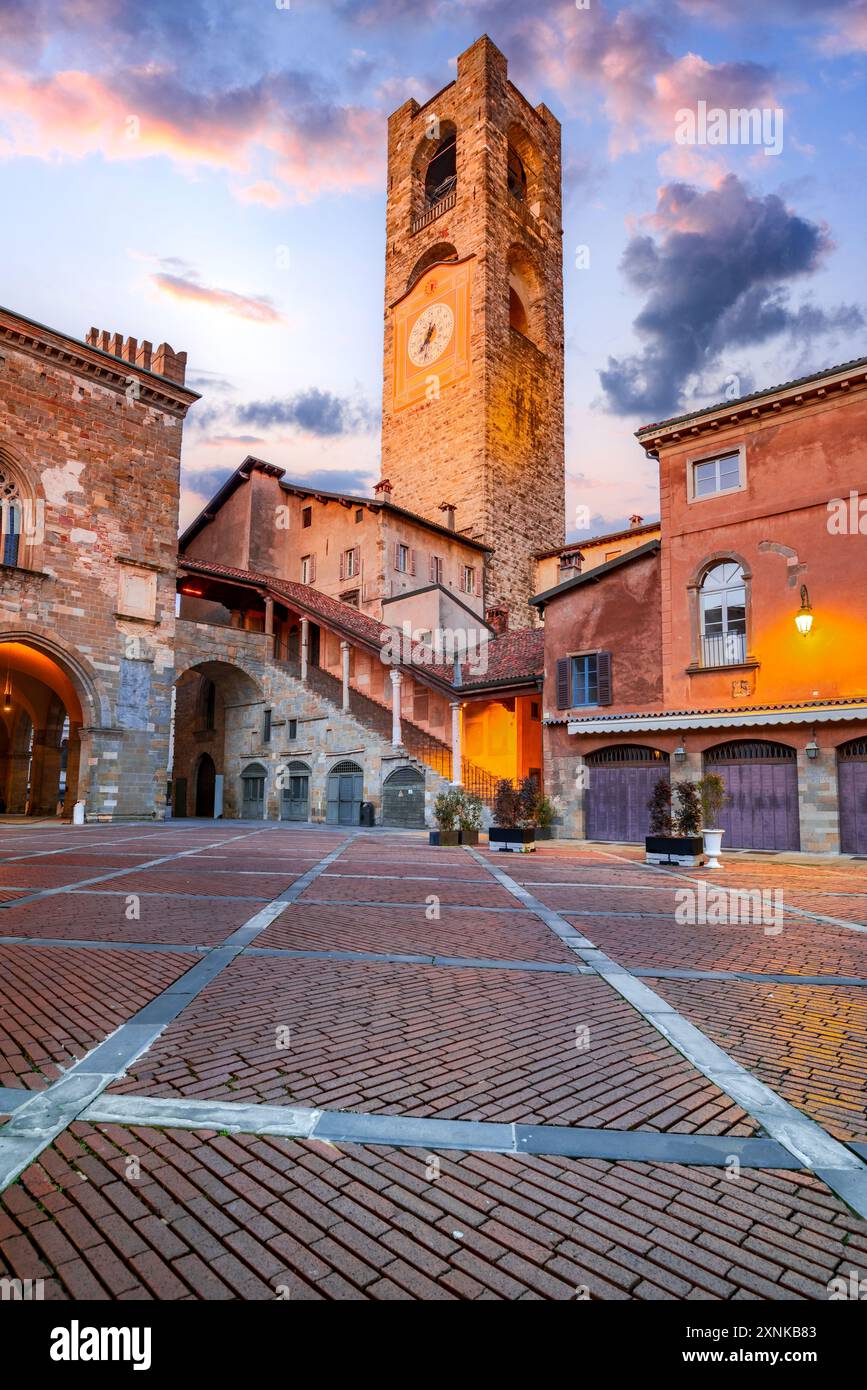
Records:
x=211, y=173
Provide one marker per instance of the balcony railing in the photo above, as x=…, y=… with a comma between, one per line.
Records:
x=424, y=219
x=522, y=210
x=724, y=649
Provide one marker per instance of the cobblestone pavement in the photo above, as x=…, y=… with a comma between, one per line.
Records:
x=244, y=1061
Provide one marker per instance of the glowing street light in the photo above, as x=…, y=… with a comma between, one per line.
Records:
x=804, y=615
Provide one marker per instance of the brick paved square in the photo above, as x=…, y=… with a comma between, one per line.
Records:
x=422, y=1040
x=58, y=1003
x=257, y=1219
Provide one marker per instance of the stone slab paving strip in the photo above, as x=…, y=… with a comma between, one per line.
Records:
x=843, y=1170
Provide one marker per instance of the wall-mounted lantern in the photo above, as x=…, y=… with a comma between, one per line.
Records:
x=680, y=754
x=804, y=615
x=812, y=749
x=7, y=693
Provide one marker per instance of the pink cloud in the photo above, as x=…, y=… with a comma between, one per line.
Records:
x=849, y=31
x=318, y=148
x=242, y=306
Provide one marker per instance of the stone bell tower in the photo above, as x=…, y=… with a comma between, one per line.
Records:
x=473, y=363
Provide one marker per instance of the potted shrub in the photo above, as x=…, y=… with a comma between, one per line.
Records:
x=545, y=813
x=712, y=790
x=509, y=830
x=446, y=813
x=469, y=817
x=674, y=838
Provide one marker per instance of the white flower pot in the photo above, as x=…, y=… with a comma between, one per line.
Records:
x=712, y=847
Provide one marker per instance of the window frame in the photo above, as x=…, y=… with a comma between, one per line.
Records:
x=306, y=518
x=468, y=580
x=695, y=460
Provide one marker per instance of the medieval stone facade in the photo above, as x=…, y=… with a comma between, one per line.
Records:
x=491, y=444
x=90, y=441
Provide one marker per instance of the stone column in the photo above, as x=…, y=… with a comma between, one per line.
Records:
x=73, y=763
x=396, y=679
x=269, y=615
x=39, y=754
x=344, y=653
x=305, y=646
x=818, y=800
x=16, y=792
x=457, y=763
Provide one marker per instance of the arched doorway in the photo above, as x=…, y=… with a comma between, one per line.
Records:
x=43, y=699
x=214, y=700
x=619, y=785
x=253, y=792
x=345, y=790
x=761, y=806
x=852, y=784
x=403, y=798
x=295, y=794
x=206, y=782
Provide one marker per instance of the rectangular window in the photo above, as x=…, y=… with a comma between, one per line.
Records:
x=436, y=569
x=711, y=477
x=535, y=710
x=266, y=726
x=308, y=569
x=401, y=558
x=585, y=680
x=359, y=515
x=468, y=583
x=306, y=516
x=292, y=725
x=350, y=563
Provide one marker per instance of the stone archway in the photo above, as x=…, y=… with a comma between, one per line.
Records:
x=217, y=708
x=50, y=704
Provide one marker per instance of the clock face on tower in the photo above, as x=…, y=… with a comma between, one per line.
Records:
x=431, y=334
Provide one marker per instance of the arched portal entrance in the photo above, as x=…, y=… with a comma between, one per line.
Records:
x=403, y=798
x=216, y=706
x=345, y=786
x=620, y=782
x=44, y=704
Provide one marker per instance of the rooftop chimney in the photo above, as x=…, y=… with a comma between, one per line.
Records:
x=165, y=361
x=498, y=618
x=449, y=509
x=383, y=490
x=635, y=519
x=570, y=564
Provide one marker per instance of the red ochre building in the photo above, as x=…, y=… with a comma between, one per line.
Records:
x=686, y=654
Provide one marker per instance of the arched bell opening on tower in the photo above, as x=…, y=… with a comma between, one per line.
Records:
x=437, y=165
x=523, y=170
x=525, y=296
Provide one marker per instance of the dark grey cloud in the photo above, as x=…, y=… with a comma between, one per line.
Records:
x=313, y=412
x=716, y=276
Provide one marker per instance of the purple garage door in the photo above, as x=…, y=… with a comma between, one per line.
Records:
x=852, y=781
x=761, y=808
x=620, y=784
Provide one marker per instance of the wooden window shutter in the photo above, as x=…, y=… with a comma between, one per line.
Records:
x=395, y=555
x=432, y=571
x=312, y=569
x=563, y=699
x=343, y=564
x=412, y=561
x=357, y=560
x=603, y=677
